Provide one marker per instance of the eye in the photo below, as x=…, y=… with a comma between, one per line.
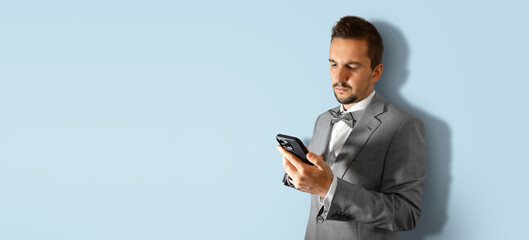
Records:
x=352, y=67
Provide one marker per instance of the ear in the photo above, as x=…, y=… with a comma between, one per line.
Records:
x=377, y=72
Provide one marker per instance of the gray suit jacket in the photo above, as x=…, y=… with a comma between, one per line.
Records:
x=380, y=172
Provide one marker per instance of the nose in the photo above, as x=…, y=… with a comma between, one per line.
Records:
x=340, y=74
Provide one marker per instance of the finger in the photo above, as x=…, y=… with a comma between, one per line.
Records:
x=290, y=169
x=291, y=158
x=287, y=163
x=317, y=160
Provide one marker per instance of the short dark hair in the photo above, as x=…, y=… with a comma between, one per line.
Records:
x=353, y=27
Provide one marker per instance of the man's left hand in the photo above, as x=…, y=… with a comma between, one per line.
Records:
x=314, y=179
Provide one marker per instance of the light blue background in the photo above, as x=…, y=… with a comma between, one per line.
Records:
x=156, y=119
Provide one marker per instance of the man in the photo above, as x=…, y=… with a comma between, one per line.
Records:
x=368, y=155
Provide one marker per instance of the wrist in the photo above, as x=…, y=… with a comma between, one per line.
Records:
x=327, y=186
x=324, y=193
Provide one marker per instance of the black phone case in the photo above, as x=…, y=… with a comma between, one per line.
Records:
x=295, y=146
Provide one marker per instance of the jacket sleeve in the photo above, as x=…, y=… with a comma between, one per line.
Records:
x=397, y=206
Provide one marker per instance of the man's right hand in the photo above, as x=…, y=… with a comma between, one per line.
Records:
x=314, y=179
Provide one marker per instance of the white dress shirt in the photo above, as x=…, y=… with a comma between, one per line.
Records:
x=340, y=132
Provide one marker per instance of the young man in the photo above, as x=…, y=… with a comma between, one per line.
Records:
x=368, y=155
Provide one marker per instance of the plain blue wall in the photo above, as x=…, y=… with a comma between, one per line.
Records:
x=156, y=119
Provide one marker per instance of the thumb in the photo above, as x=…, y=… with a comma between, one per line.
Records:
x=317, y=160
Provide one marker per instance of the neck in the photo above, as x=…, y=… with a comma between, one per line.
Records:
x=347, y=106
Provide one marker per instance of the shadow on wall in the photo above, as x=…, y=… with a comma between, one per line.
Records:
x=438, y=135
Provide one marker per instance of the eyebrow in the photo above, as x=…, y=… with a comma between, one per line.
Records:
x=347, y=63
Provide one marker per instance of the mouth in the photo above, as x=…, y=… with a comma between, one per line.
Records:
x=341, y=89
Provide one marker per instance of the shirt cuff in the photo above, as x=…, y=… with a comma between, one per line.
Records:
x=326, y=201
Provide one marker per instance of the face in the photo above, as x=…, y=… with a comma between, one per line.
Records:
x=352, y=77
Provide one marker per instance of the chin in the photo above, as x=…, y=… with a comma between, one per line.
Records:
x=346, y=99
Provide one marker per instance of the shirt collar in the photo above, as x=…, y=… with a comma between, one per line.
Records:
x=359, y=105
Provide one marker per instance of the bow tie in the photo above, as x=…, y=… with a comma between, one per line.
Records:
x=346, y=117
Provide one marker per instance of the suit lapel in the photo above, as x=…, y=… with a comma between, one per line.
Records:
x=320, y=140
x=358, y=137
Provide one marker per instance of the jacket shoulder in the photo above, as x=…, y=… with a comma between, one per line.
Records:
x=396, y=113
x=326, y=115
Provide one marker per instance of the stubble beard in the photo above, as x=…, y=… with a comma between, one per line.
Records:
x=352, y=98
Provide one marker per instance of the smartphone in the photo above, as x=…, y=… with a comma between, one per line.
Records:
x=295, y=146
